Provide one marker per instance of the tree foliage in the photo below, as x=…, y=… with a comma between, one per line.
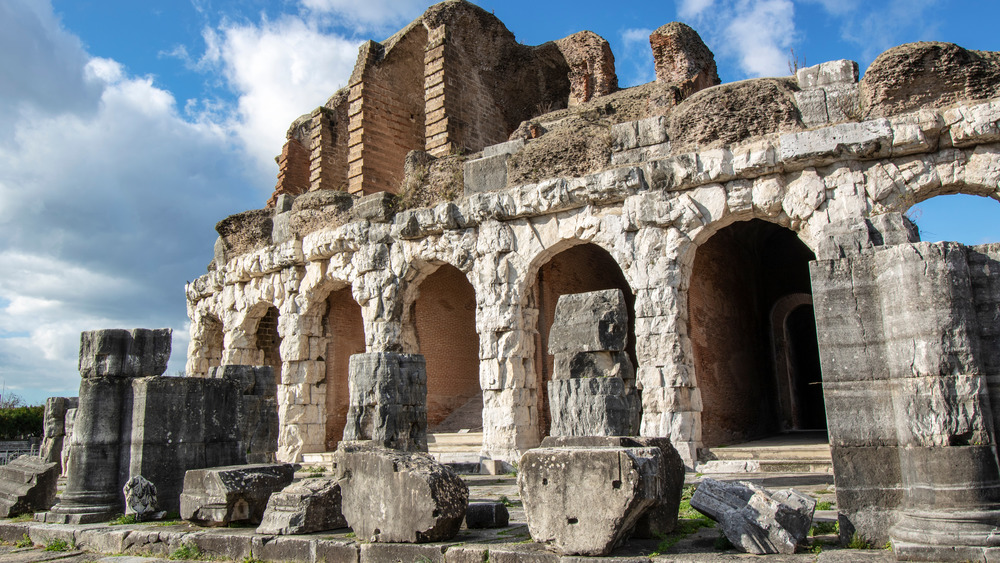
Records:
x=18, y=422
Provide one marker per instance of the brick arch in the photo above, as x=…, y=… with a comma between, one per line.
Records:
x=439, y=322
x=735, y=278
x=570, y=266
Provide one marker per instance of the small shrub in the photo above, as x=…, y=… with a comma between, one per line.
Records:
x=816, y=548
x=186, y=551
x=506, y=501
x=823, y=528
x=57, y=545
x=859, y=542
x=25, y=541
x=824, y=505
x=252, y=559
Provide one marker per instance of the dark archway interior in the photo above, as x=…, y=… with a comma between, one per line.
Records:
x=803, y=355
x=269, y=341
x=579, y=269
x=737, y=277
x=445, y=318
x=345, y=331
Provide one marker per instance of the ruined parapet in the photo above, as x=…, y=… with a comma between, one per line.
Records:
x=682, y=58
x=54, y=430
x=591, y=66
x=828, y=93
x=388, y=402
x=243, y=232
x=906, y=357
x=592, y=391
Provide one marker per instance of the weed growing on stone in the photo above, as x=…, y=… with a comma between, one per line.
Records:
x=23, y=518
x=252, y=559
x=859, y=542
x=122, y=520
x=823, y=528
x=506, y=501
x=184, y=552
x=25, y=541
x=689, y=521
x=350, y=535
x=824, y=505
x=315, y=471
x=57, y=545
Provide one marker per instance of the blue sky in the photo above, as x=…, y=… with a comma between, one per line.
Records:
x=128, y=129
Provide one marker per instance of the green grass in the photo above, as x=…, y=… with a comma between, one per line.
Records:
x=823, y=528
x=25, y=541
x=824, y=505
x=506, y=501
x=23, y=517
x=859, y=542
x=122, y=520
x=57, y=545
x=689, y=521
x=186, y=551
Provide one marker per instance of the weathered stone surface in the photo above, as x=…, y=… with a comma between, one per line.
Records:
x=27, y=484
x=140, y=497
x=486, y=515
x=54, y=436
x=591, y=66
x=245, y=232
x=237, y=493
x=595, y=406
x=388, y=398
x=868, y=139
x=486, y=174
x=139, y=352
x=394, y=496
x=569, y=365
x=377, y=208
x=257, y=417
x=754, y=519
x=585, y=501
x=680, y=56
x=587, y=322
x=854, y=236
x=310, y=505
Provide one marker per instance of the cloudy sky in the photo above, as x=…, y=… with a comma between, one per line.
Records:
x=127, y=129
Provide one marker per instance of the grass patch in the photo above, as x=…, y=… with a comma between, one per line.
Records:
x=23, y=517
x=252, y=559
x=122, y=520
x=506, y=501
x=25, y=541
x=824, y=505
x=57, y=545
x=859, y=542
x=689, y=521
x=184, y=552
x=823, y=528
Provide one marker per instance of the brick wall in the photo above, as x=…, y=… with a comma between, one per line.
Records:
x=328, y=144
x=445, y=318
x=576, y=270
x=345, y=331
x=269, y=342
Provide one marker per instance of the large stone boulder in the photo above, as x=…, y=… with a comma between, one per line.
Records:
x=121, y=353
x=27, y=484
x=388, y=400
x=754, y=519
x=219, y=495
x=586, y=500
x=396, y=496
x=310, y=505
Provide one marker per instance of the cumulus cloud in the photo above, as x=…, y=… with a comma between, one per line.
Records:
x=882, y=24
x=279, y=70
x=108, y=195
x=690, y=9
x=369, y=12
x=635, y=64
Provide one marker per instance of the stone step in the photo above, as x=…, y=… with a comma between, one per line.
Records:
x=767, y=466
x=791, y=452
x=472, y=439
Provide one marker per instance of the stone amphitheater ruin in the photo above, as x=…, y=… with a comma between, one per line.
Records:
x=443, y=201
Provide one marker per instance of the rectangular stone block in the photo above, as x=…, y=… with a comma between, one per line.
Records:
x=590, y=322
x=139, y=352
x=486, y=174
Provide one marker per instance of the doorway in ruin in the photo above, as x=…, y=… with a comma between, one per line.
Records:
x=444, y=322
x=268, y=341
x=578, y=269
x=753, y=334
x=344, y=329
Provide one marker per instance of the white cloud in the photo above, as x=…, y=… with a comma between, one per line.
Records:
x=279, y=70
x=761, y=33
x=635, y=64
x=691, y=9
x=369, y=12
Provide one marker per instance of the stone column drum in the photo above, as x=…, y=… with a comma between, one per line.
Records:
x=109, y=361
x=388, y=394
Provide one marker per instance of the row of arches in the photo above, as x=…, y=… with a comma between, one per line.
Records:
x=749, y=319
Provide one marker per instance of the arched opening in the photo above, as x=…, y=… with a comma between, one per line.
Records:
x=268, y=341
x=753, y=334
x=444, y=315
x=344, y=328
x=578, y=269
x=968, y=219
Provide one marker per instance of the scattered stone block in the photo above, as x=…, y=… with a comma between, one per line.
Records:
x=590, y=322
x=486, y=515
x=753, y=519
x=310, y=505
x=585, y=501
x=140, y=498
x=594, y=406
x=27, y=484
x=139, y=352
x=388, y=400
x=396, y=496
x=219, y=495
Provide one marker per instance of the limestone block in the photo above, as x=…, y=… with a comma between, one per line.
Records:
x=310, y=505
x=596, y=406
x=624, y=136
x=753, y=519
x=486, y=174
x=377, y=208
x=569, y=365
x=812, y=106
x=838, y=72
x=27, y=484
x=508, y=147
x=395, y=496
x=238, y=493
x=388, y=398
x=585, y=501
x=843, y=103
x=865, y=140
x=122, y=353
x=970, y=125
x=586, y=322
x=486, y=515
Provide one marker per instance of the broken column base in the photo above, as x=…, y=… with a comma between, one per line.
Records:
x=969, y=535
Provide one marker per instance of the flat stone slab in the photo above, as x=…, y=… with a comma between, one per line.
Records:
x=238, y=493
x=396, y=496
x=310, y=505
x=27, y=484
